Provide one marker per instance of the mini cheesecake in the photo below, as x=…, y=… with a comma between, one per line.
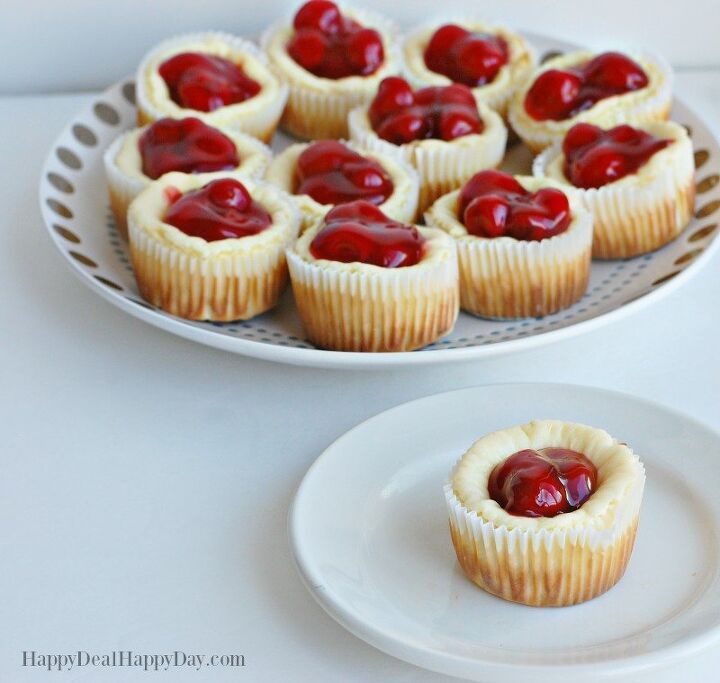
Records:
x=332, y=58
x=325, y=173
x=142, y=155
x=638, y=183
x=211, y=250
x=545, y=514
x=221, y=79
x=444, y=132
x=604, y=89
x=492, y=60
x=363, y=282
x=524, y=244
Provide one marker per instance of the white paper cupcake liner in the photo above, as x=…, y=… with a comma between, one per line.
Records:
x=652, y=103
x=358, y=307
x=317, y=107
x=401, y=205
x=496, y=94
x=123, y=187
x=504, y=278
x=258, y=116
x=233, y=279
x=641, y=212
x=442, y=166
x=565, y=562
x=543, y=568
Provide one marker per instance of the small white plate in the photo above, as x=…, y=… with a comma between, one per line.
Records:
x=74, y=204
x=370, y=537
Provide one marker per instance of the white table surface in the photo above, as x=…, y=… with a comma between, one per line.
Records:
x=145, y=480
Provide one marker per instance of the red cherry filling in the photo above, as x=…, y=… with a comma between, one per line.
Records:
x=494, y=204
x=206, y=82
x=331, y=173
x=399, y=115
x=595, y=157
x=560, y=94
x=543, y=483
x=330, y=45
x=359, y=231
x=464, y=57
x=222, y=209
x=187, y=146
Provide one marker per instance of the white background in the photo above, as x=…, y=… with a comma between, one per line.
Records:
x=144, y=479
x=56, y=45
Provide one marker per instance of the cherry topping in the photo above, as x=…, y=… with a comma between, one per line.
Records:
x=560, y=94
x=543, y=483
x=595, y=157
x=206, y=82
x=399, y=115
x=330, y=45
x=222, y=209
x=185, y=145
x=322, y=15
x=464, y=57
x=359, y=231
x=331, y=173
x=494, y=204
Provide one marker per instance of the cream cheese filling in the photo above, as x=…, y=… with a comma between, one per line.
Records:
x=148, y=209
x=658, y=88
x=519, y=58
x=620, y=474
x=153, y=89
x=277, y=37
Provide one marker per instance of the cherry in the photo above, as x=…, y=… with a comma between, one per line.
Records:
x=364, y=48
x=185, y=145
x=320, y=14
x=441, y=43
x=543, y=483
x=331, y=173
x=456, y=121
x=359, y=232
x=330, y=45
x=487, y=182
x=473, y=59
x=615, y=71
x=222, y=209
x=494, y=204
x=393, y=93
x=399, y=115
x=560, y=94
x=310, y=47
x=488, y=214
x=206, y=82
x=595, y=157
x=454, y=93
x=403, y=127
x=553, y=94
x=579, y=135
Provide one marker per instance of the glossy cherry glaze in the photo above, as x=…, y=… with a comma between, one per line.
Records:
x=399, y=115
x=222, y=209
x=494, y=204
x=559, y=94
x=543, y=483
x=330, y=45
x=187, y=146
x=331, y=173
x=595, y=157
x=205, y=82
x=465, y=57
x=360, y=232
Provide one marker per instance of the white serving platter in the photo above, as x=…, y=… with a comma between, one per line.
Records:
x=74, y=204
